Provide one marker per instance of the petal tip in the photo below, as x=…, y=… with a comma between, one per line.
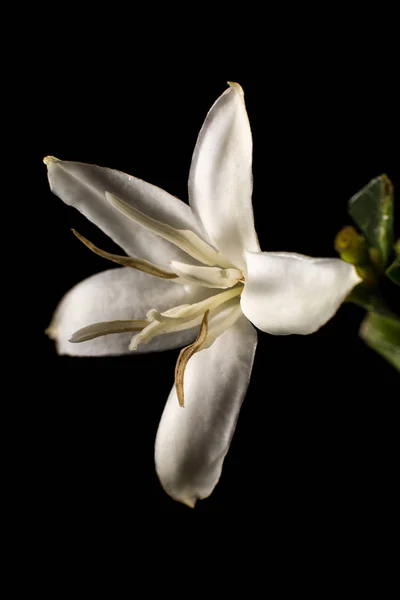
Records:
x=190, y=502
x=53, y=334
x=357, y=278
x=50, y=331
x=237, y=87
x=49, y=160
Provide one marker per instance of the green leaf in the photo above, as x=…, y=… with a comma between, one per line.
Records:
x=372, y=211
x=370, y=299
x=393, y=272
x=382, y=334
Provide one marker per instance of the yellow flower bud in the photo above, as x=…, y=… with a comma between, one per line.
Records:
x=351, y=246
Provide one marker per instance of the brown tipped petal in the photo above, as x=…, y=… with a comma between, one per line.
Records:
x=220, y=179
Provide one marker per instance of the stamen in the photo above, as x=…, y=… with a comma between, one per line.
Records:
x=185, y=239
x=182, y=313
x=185, y=355
x=127, y=261
x=212, y=277
x=180, y=317
x=105, y=328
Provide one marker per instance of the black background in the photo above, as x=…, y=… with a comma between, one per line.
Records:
x=317, y=436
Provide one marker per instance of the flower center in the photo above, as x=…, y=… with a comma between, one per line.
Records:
x=214, y=315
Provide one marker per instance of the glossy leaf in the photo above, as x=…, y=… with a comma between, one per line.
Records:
x=393, y=272
x=382, y=334
x=372, y=210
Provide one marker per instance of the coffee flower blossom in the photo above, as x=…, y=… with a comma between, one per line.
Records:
x=195, y=276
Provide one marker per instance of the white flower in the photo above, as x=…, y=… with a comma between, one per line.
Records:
x=197, y=271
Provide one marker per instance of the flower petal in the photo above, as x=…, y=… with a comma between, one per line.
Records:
x=192, y=442
x=83, y=186
x=220, y=180
x=119, y=294
x=290, y=293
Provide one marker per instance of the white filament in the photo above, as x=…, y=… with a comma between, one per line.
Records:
x=212, y=277
x=180, y=317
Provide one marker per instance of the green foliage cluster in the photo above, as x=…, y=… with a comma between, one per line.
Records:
x=375, y=256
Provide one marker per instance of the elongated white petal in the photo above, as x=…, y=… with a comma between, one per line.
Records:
x=184, y=239
x=83, y=186
x=212, y=277
x=290, y=293
x=220, y=180
x=118, y=294
x=192, y=442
